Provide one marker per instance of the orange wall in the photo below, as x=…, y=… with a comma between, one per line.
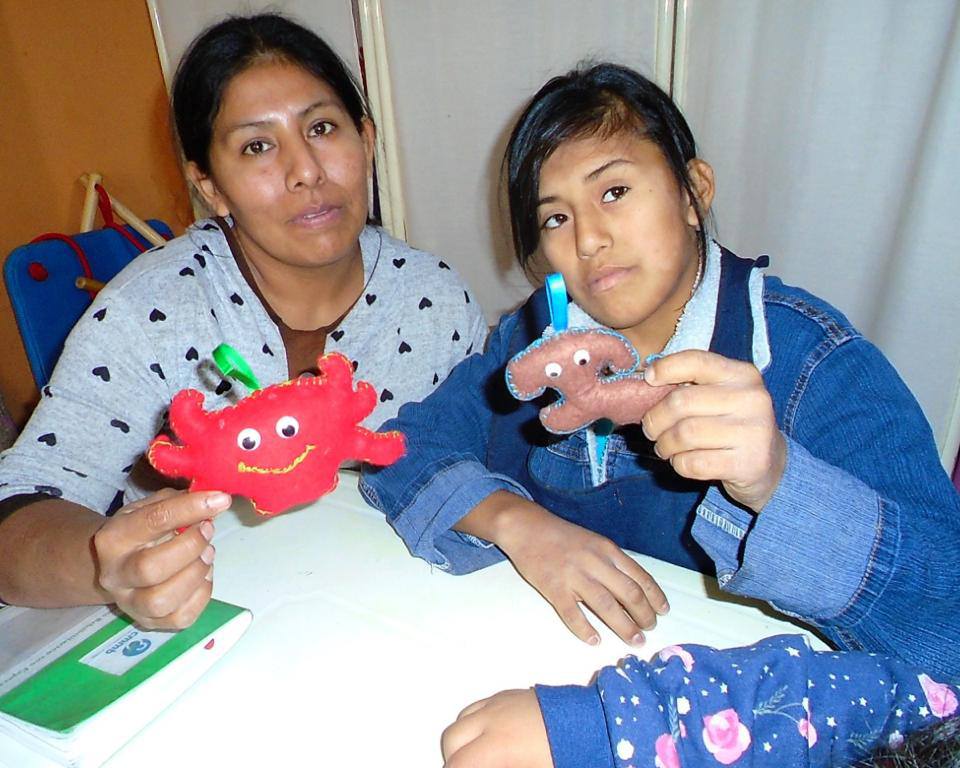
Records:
x=81, y=89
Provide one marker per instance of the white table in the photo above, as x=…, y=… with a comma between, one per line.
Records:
x=360, y=654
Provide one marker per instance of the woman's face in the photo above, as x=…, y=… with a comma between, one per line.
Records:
x=615, y=222
x=288, y=163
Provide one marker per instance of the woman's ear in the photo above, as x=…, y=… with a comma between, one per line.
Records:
x=368, y=135
x=701, y=179
x=207, y=189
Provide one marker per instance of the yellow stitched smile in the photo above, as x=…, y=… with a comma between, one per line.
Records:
x=241, y=467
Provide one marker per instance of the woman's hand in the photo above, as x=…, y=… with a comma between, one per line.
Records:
x=721, y=426
x=570, y=565
x=161, y=579
x=505, y=730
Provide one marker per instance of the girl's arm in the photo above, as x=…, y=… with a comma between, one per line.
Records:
x=443, y=475
x=861, y=534
x=774, y=703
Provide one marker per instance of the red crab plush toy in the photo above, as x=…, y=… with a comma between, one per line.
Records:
x=280, y=446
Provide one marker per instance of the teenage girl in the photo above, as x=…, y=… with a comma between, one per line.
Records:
x=794, y=463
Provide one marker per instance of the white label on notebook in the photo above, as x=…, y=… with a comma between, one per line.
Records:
x=125, y=650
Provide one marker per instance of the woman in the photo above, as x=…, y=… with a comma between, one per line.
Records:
x=278, y=143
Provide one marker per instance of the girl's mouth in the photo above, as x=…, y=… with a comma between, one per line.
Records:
x=606, y=278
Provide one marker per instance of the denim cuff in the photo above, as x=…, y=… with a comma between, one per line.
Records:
x=576, y=726
x=453, y=490
x=818, y=516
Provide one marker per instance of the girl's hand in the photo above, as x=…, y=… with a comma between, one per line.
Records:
x=721, y=426
x=161, y=579
x=570, y=565
x=505, y=730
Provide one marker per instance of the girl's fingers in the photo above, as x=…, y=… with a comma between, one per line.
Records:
x=706, y=464
x=697, y=366
x=460, y=733
x=702, y=433
x=609, y=609
x=570, y=613
x=636, y=575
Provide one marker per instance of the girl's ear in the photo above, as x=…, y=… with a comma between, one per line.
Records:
x=207, y=188
x=701, y=179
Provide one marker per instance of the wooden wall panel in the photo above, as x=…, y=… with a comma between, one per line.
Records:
x=81, y=90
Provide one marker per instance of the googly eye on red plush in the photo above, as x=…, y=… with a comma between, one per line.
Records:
x=248, y=439
x=581, y=357
x=287, y=426
x=553, y=370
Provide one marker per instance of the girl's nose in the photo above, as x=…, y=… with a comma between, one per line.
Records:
x=304, y=167
x=593, y=236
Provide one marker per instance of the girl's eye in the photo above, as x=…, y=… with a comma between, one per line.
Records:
x=287, y=426
x=552, y=222
x=248, y=439
x=553, y=370
x=322, y=128
x=614, y=193
x=256, y=147
x=581, y=357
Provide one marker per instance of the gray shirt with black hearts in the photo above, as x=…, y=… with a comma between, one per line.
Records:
x=151, y=331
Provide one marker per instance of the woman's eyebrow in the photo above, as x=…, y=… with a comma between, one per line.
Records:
x=266, y=122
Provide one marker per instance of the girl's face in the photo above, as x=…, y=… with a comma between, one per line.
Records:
x=615, y=222
x=288, y=163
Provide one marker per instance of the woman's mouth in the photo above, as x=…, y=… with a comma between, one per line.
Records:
x=317, y=216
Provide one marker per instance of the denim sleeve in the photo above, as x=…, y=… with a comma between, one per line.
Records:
x=774, y=703
x=443, y=475
x=862, y=537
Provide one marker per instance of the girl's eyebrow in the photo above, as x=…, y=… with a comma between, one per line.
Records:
x=599, y=171
x=594, y=174
x=262, y=123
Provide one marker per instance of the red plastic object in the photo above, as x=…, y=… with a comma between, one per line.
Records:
x=37, y=271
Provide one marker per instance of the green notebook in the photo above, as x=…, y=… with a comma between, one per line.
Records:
x=75, y=684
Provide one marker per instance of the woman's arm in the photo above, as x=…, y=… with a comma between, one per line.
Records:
x=55, y=553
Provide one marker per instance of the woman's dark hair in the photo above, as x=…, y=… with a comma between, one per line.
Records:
x=226, y=49
x=598, y=100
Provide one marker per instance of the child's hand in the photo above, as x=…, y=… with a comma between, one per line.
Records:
x=505, y=730
x=720, y=427
x=570, y=565
x=160, y=580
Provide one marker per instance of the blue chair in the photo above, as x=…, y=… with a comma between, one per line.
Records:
x=41, y=280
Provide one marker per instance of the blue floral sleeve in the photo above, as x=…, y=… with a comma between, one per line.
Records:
x=775, y=703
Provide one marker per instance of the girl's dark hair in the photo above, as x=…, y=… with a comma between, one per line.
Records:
x=936, y=746
x=598, y=100
x=226, y=49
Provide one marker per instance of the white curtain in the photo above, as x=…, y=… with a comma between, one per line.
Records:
x=835, y=132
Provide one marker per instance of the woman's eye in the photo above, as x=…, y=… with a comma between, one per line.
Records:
x=287, y=426
x=322, y=128
x=248, y=439
x=614, y=193
x=553, y=370
x=256, y=147
x=552, y=222
x=581, y=357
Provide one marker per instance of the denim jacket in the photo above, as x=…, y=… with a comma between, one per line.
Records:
x=861, y=537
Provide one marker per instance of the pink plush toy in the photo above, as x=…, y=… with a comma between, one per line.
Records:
x=595, y=370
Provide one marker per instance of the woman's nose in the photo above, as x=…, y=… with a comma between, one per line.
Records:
x=593, y=236
x=304, y=167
